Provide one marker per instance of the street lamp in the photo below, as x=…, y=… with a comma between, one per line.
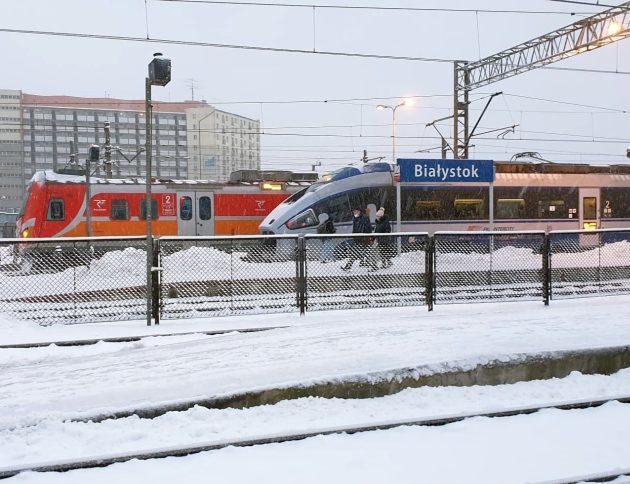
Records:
x=405, y=102
x=159, y=75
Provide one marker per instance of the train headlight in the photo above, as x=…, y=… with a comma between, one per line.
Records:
x=271, y=186
x=24, y=233
x=303, y=220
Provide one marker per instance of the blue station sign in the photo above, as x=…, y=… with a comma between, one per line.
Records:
x=445, y=171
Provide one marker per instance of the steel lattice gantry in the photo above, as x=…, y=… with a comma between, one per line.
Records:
x=582, y=36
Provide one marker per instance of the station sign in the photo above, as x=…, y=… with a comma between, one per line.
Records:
x=445, y=171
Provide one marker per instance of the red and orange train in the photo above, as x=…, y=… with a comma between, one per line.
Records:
x=55, y=204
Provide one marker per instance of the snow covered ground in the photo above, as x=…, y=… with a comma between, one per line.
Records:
x=41, y=388
x=525, y=449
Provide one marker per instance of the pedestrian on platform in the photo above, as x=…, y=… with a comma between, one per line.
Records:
x=326, y=227
x=357, y=250
x=385, y=242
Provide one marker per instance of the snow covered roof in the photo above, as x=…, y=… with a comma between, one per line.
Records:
x=52, y=176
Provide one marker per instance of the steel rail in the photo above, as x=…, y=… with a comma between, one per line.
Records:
x=180, y=451
x=598, y=477
x=127, y=339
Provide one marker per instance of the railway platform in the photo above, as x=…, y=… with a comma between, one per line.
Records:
x=364, y=353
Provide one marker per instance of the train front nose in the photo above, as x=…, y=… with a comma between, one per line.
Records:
x=266, y=227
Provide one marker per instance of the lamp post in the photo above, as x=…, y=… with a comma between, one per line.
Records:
x=405, y=102
x=199, y=138
x=159, y=75
x=93, y=156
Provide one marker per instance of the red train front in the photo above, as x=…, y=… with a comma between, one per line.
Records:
x=55, y=206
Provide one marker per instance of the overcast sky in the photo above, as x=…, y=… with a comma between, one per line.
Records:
x=592, y=129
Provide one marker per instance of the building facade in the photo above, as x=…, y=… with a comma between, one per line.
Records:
x=43, y=132
x=11, y=151
x=218, y=141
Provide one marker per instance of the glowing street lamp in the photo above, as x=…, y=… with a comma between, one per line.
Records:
x=405, y=102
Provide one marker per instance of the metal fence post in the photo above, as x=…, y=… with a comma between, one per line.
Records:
x=429, y=272
x=546, y=268
x=300, y=262
x=599, y=261
x=156, y=289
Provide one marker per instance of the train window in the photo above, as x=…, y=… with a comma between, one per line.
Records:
x=120, y=209
x=615, y=202
x=468, y=208
x=25, y=200
x=538, y=202
x=143, y=209
x=431, y=203
x=205, y=208
x=295, y=197
x=55, y=209
x=510, y=208
x=337, y=208
x=428, y=209
x=589, y=208
x=185, y=208
x=552, y=209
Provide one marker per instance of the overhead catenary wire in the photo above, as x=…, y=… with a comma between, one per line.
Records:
x=191, y=43
x=263, y=130
x=377, y=8
x=590, y=4
x=70, y=104
x=568, y=103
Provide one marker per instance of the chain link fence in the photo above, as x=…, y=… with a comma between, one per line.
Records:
x=73, y=280
x=365, y=270
x=216, y=276
x=589, y=263
x=86, y=280
x=488, y=266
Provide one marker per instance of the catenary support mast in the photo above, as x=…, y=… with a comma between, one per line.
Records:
x=584, y=35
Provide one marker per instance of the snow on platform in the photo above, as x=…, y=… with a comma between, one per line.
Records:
x=320, y=347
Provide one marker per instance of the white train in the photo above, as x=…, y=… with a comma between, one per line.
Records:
x=523, y=196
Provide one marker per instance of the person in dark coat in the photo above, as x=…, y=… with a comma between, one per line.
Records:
x=385, y=243
x=360, y=225
x=327, y=227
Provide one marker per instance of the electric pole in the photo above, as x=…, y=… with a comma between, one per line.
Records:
x=108, y=152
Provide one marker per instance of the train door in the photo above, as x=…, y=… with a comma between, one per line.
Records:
x=195, y=213
x=186, y=221
x=204, y=213
x=589, y=208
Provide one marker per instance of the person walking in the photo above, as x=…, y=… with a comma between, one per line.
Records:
x=385, y=243
x=360, y=225
x=327, y=227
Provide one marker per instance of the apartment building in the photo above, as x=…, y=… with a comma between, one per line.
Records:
x=11, y=151
x=40, y=132
x=218, y=141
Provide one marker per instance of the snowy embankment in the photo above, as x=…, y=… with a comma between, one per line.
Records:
x=53, y=439
x=320, y=347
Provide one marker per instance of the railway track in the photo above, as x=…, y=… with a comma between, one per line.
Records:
x=126, y=339
x=180, y=451
x=599, y=477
